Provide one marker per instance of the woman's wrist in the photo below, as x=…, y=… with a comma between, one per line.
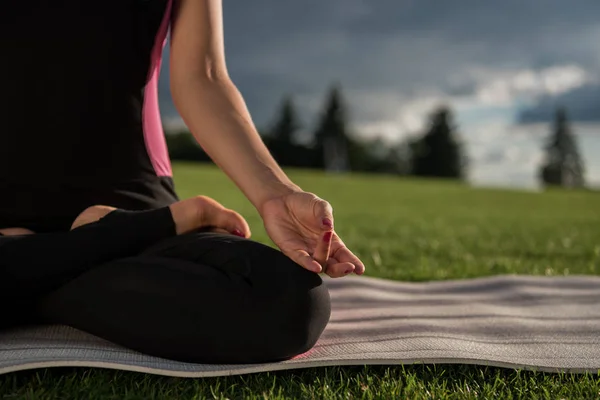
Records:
x=271, y=189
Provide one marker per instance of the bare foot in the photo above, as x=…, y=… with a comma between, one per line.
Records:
x=90, y=215
x=202, y=212
x=16, y=231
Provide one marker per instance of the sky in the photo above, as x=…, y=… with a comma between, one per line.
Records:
x=503, y=67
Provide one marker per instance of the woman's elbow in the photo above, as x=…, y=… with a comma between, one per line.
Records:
x=210, y=73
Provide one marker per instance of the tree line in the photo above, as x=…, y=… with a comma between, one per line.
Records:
x=437, y=152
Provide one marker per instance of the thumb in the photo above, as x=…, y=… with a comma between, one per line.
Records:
x=324, y=214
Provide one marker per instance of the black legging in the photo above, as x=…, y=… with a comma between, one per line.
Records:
x=200, y=297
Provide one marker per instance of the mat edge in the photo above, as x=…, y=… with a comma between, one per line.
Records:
x=288, y=367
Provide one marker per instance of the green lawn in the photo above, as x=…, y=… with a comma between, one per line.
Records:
x=402, y=229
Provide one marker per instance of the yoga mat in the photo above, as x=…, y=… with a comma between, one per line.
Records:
x=539, y=323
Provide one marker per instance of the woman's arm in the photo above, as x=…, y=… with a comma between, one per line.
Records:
x=298, y=222
x=212, y=107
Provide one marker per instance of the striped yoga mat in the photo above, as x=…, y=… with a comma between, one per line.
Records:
x=539, y=323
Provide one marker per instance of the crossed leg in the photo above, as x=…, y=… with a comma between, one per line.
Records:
x=200, y=297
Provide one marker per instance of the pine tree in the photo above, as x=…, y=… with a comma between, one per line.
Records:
x=282, y=142
x=438, y=153
x=331, y=138
x=287, y=123
x=563, y=166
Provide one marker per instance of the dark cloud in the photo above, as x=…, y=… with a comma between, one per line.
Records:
x=262, y=92
x=582, y=104
x=467, y=19
x=399, y=47
x=491, y=21
x=504, y=30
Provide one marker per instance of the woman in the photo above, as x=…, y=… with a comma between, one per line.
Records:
x=81, y=128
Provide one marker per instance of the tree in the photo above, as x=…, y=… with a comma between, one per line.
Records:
x=398, y=158
x=378, y=156
x=183, y=146
x=331, y=138
x=438, y=153
x=287, y=123
x=563, y=165
x=281, y=139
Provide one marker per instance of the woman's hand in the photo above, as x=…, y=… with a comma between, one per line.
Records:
x=188, y=215
x=301, y=225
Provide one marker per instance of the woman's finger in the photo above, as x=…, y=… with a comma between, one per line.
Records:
x=324, y=213
x=336, y=269
x=343, y=255
x=302, y=258
x=323, y=248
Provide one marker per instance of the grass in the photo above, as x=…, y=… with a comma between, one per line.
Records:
x=402, y=229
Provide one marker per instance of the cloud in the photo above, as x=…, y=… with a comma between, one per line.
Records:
x=505, y=87
x=396, y=60
x=491, y=100
x=582, y=104
x=405, y=47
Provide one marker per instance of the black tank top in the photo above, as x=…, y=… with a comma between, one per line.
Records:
x=79, y=120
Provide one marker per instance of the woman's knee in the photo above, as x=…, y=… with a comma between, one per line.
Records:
x=303, y=304
x=300, y=305
x=306, y=316
x=258, y=329
x=281, y=308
